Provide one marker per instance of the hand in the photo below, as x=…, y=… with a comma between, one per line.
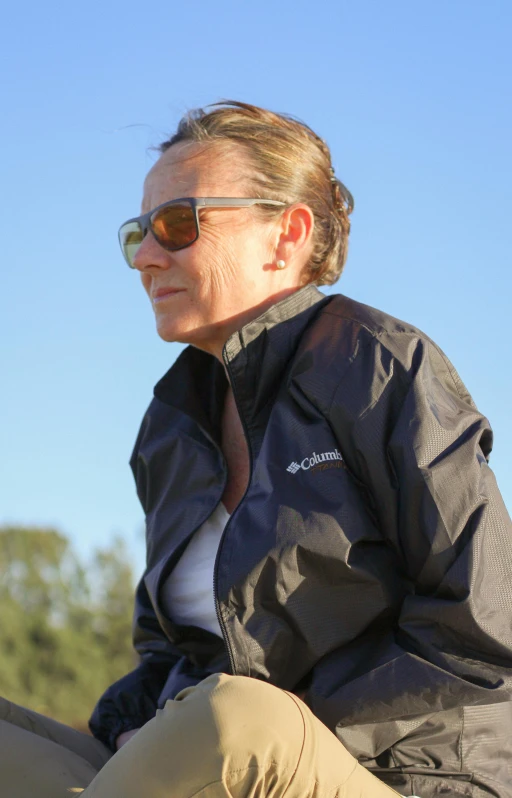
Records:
x=124, y=737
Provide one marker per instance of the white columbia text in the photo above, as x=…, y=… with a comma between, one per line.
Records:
x=314, y=460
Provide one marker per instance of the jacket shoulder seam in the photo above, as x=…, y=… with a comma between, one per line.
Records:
x=377, y=334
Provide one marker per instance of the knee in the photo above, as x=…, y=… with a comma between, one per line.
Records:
x=246, y=711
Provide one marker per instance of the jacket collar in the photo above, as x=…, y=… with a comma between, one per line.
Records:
x=256, y=357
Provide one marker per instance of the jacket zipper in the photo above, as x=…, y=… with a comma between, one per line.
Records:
x=217, y=558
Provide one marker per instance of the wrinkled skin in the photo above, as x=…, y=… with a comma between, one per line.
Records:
x=229, y=275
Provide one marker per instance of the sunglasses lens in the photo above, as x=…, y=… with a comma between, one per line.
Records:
x=174, y=227
x=130, y=238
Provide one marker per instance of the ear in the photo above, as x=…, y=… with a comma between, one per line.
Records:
x=295, y=232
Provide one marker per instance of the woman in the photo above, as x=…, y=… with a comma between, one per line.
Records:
x=321, y=517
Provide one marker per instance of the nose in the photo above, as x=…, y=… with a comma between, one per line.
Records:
x=150, y=255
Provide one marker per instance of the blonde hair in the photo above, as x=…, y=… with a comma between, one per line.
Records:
x=291, y=163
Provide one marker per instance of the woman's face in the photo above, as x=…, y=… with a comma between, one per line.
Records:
x=228, y=275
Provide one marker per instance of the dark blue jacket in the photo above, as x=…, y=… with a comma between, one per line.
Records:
x=370, y=560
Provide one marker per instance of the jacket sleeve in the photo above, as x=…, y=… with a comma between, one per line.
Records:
x=130, y=702
x=419, y=449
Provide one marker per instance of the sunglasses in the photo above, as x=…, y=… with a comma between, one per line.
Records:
x=175, y=224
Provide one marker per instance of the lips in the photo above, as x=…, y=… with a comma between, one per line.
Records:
x=162, y=293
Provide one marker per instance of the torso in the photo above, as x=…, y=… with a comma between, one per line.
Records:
x=236, y=453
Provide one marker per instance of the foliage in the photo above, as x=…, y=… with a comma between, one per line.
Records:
x=66, y=626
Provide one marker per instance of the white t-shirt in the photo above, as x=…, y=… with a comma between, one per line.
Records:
x=188, y=592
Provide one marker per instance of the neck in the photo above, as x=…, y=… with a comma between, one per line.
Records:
x=218, y=334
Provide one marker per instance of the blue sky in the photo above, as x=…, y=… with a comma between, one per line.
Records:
x=414, y=100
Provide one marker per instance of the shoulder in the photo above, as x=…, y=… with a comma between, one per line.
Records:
x=343, y=315
x=351, y=341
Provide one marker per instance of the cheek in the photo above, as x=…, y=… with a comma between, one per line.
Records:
x=199, y=271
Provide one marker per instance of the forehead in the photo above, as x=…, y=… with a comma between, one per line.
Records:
x=189, y=169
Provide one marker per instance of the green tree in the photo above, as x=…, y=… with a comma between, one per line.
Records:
x=66, y=626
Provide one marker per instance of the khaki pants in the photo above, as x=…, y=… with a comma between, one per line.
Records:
x=229, y=736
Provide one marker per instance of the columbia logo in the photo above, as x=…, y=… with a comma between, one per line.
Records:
x=314, y=460
x=293, y=468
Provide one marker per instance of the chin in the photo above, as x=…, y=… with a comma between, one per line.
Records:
x=174, y=331
x=199, y=333
x=172, y=328
x=172, y=334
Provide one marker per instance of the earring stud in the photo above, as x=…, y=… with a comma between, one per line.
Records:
x=280, y=264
